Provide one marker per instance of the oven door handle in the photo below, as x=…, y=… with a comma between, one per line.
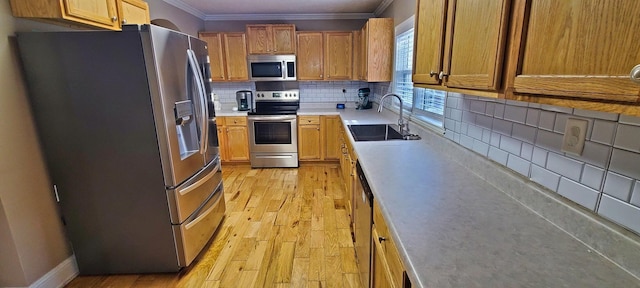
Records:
x=273, y=118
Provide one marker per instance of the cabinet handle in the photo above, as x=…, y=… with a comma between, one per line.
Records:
x=318, y=129
x=114, y=18
x=381, y=239
x=433, y=73
x=442, y=75
x=635, y=74
x=124, y=21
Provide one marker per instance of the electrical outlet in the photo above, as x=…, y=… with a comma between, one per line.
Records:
x=574, y=134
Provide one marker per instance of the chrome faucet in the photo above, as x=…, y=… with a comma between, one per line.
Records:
x=404, y=127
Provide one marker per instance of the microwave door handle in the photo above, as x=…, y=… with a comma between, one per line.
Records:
x=202, y=97
x=284, y=70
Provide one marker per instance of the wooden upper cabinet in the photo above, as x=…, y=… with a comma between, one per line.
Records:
x=470, y=52
x=217, y=61
x=227, y=55
x=235, y=49
x=377, y=43
x=310, y=56
x=429, y=41
x=478, y=34
x=357, y=72
x=133, y=12
x=580, y=48
x=338, y=55
x=107, y=14
x=271, y=39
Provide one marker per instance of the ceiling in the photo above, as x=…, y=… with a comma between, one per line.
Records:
x=281, y=9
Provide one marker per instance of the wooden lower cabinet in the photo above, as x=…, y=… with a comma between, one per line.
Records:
x=318, y=138
x=387, y=268
x=233, y=138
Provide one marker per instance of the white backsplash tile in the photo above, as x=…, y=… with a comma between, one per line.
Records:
x=484, y=121
x=495, y=139
x=519, y=165
x=481, y=148
x=539, y=156
x=603, y=132
x=596, y=114
x=625, y=163
x=561, y=122
x=510, y=145
x=502, y=126
x=618, y=186
x=633, y=120
x=592, y=176
x=549, y=140
x=628, y=137
x=499, y=111
x=490, y=108
x=524, y=133
x=578, y=193
x=498, y=155
x=620, y=212
x=474, y=132
x=515, y=113
x=564, y=166
x=547, y=120
x=533, y=115
x=545, y=177
x=635, y=195
x=527, y=151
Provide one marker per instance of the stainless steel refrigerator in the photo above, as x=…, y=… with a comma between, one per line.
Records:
x=127, y=126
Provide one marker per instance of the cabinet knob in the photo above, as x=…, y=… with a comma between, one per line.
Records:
x=442, y=75
x=381, y=239
x=433, y=73
x=318, y=129
x=635, y=74
x=114, y=18
x=124, y=21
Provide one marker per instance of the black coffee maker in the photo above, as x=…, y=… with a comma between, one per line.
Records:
x=363, y=99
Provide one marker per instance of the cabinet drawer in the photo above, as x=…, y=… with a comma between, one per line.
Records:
x=236, y=120
x=187, y=198
x=389, y=248
x=309, y=120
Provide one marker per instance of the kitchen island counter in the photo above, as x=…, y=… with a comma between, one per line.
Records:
x=455, y=229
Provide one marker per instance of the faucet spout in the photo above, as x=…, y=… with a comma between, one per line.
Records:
x=404, y=127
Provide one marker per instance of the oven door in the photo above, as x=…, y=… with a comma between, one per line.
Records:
x=273, y=134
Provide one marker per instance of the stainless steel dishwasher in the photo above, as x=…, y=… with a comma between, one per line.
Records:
x=363, y=221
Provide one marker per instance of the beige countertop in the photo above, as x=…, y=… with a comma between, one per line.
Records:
x=456, y=229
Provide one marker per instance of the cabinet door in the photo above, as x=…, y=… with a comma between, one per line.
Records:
x=337, y=60
x=284, y=39
x=222, y=142
x=309, y=142
x=331, y=133
x=133, y=12
x=477, y=32
x=363, y=51
x=580, y=48
x=380, y=274
x=259, y=39
x=235, y=50
x=379, y=49
x=429, y=40
x=216, y=55
x=238, y=143
x=310, y=56
x=94, y=12
x=357, y=72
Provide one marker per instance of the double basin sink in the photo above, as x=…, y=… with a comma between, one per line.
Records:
x=378, y=132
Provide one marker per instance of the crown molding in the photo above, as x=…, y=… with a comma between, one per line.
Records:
x=321, y=16
x=383, y=6
x=186, y=8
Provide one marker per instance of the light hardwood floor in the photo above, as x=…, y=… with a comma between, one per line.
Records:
x=283, y=228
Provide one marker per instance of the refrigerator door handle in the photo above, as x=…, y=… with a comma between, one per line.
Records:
x=193, y=62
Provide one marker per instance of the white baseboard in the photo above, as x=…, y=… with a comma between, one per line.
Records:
x=58, y=276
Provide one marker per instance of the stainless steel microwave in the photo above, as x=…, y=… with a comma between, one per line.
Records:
x=272, y=67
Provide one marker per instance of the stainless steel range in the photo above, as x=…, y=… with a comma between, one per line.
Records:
x=273, y=137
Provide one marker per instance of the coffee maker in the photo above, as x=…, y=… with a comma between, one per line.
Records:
x=363, y=99
x=245, y=100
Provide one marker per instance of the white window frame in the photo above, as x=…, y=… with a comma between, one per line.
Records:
x=418, y=115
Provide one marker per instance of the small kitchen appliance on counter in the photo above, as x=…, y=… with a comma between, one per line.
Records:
x=245, y=100
x=363, y=99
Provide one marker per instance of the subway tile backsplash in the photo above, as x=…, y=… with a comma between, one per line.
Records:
x=527, y=138
x=310, y=92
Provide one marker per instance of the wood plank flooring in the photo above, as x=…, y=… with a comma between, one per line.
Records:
x=283, y=228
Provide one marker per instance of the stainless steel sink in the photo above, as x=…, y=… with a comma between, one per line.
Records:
x=375, y=132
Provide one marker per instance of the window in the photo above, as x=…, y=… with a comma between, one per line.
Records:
x=426, y=104
x=402, y=83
